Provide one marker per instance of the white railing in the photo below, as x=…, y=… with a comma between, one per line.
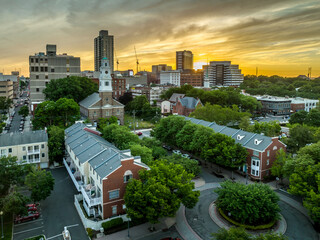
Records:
x=33, y=152
x=71, y=175
x=90, y=201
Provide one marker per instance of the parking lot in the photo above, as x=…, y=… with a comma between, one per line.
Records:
x=29, y=229
x=56, y=212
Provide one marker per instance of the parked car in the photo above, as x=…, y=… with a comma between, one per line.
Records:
x=185, y=155
x=32, y=207
x=29, y=217
x=139, y=133
x=176, y=152
x=167, y=147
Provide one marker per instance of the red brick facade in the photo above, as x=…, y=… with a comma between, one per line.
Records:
x=297, y=107
x=179, y=109
x=194, y=79
x=116, y=181
x=267, y=157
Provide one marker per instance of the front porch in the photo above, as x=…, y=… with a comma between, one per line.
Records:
x=92, y=200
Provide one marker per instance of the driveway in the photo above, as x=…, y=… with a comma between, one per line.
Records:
x=57, y=211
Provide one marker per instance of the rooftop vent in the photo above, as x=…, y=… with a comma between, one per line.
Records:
x=257, y=142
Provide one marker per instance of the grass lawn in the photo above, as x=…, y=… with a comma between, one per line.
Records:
x=7, y=226
x=128, y=121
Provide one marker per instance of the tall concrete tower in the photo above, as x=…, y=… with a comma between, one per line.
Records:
x=103, y=47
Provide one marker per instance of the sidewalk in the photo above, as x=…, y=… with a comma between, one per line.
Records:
x=135, y=233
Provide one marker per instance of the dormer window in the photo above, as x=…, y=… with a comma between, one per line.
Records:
x=257, y=142
x=127, y=176
x=239, y=137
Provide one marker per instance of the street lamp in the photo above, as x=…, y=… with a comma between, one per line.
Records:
x=1, y=213
x=128, y=226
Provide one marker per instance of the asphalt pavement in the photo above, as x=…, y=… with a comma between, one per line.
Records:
x=56, y=212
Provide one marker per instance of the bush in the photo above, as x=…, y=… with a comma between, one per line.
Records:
x=250, y=227
x=112, y=223
x=89, y=232
x=254, y=204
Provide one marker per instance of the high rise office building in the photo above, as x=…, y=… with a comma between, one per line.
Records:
x=184, y=60
x=44, y=67
x=222, y=73
x=103, y=47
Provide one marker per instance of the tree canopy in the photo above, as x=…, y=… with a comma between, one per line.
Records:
x=218, y=114
x=56, y=143
x=24, y=111
x=202, y=141
x=62, y=113
x=252, y=204
x=5, y=104
x=76, y=88
x=159, y=192
x=40, y=183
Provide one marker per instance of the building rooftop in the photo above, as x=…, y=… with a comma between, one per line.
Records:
x=249, y=140
x=103, y=156
x=189, y=102
x=17, y=138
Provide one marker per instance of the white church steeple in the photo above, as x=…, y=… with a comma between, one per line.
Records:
x=105, y=78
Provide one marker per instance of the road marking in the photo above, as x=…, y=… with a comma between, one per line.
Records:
x=28, y=230
x=20, y=224
x=74, y=225
x=54, y=236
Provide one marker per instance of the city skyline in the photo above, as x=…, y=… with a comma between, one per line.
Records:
x=278, y=37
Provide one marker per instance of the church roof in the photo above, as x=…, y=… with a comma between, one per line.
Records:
x=90, y=100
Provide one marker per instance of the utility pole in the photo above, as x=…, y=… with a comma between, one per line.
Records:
x=134, y=121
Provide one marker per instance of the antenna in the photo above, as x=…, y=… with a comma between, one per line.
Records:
x=116, y=58
x=136, y=59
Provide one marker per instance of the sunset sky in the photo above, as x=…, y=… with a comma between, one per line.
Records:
x=278, y=36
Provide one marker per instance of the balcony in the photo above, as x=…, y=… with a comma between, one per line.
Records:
x=34, y=160
x=33, y=151
x=74, y=175
x=90, y=196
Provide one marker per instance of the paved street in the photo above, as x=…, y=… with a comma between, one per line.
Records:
x=57, y=211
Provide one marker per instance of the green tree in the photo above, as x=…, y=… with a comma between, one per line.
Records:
x=300, y=136
x=11, y=173
x=184, y=137
x=126, y=98
x=277, y=168
x=270, y=129
x=168, y=128
x=5, y=104
x=218, y=114
x=120, y=136
x=298, y=117
x=40, y=183
x=56, y=144
x=252, y=204
x=245, y=123
x=190, y=165
x=155, y=146
x=62, y=113
x=76, y=88
x=14, y=203
x=159, y=192
x=313, y=117
x=142, y=151
x=24, y=111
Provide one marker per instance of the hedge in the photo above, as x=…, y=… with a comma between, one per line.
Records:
x=250, y=227
x=112, y=223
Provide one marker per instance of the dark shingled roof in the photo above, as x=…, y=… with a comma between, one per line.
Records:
x=189, y=102
x=17, y=138
x=90, y=100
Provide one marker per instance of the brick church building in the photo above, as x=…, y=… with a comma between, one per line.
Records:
x=102, y=104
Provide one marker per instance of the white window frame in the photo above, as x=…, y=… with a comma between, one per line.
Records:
x=114, y=192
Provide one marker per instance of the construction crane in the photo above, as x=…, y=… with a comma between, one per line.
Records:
x=136, y=59
x=117, y=59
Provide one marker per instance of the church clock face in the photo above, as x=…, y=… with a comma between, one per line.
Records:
x=106, y=72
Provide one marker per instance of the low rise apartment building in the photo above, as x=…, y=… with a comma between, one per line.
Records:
x=99, y=170
x=262, y=150
x=6, y=85
x=29, y=147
